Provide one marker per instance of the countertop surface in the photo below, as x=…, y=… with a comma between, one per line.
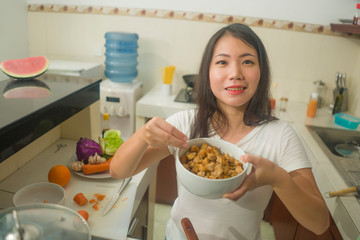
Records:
x=115, y=224
x=155, y=104
x=345, y=210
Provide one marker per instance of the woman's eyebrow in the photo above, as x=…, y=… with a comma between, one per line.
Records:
x=228, y=55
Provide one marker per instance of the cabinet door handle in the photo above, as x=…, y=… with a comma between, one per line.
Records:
x=132, y=226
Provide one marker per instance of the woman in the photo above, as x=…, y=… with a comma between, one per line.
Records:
x=232, y=94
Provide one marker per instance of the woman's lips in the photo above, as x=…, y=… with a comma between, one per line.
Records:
x=235, y=90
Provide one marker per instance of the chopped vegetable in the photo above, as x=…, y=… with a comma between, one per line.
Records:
x=99, y=197
x=85, y=148
x=84, y=214
x=96, y=207
x=111, y=142
x=80, y=199
x=96, y=168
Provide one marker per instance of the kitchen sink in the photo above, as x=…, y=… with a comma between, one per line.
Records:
x=328, y=138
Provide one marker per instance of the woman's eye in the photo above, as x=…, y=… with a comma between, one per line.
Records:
x=248, y=62
x=221, y=62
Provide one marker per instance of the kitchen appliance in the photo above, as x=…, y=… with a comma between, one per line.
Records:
x=186, y=94
x=43, y=222
x=119, y=100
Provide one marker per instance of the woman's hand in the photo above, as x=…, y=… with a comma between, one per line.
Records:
x=292, y=188
x=263, y=173
x=145, y=147
x=158, y=134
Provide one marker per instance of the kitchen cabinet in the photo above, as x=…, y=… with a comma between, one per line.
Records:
x=286, y=227
x=166, y=183
x=345, y=28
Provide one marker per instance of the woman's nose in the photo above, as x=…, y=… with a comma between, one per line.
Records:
x=236, y=72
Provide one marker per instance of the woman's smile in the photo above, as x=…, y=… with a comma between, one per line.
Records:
x=235, y=90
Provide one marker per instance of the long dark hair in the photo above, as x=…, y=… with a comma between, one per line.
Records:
x=257, y=112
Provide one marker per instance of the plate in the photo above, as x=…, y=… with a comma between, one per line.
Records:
x=348, y=150
x=95, y=175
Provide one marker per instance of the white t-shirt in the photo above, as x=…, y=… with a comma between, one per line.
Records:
x=223, y=219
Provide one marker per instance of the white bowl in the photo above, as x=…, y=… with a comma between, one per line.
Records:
x=211, y=188
x=42, y=192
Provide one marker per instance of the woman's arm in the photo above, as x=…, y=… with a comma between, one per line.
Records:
x=147, y=146
x=297, y=190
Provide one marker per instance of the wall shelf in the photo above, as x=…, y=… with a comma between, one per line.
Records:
x=345, y=28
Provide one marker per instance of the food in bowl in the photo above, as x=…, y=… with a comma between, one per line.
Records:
x=208, y=187
x=208, y=162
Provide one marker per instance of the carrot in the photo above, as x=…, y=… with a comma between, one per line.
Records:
x=96, y=206
x=96, y=168
x=99, y=197
x=84, y=214
x=80, y=199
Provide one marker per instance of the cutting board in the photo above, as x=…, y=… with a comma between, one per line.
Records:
x=115, y=224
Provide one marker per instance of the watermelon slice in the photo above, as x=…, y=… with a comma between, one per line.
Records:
x=28, y=88
x=25, y=68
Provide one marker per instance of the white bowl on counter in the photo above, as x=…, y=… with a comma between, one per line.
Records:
x=205, y=187
x=41, y=192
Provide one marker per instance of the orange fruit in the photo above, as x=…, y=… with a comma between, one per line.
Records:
x=59, y=174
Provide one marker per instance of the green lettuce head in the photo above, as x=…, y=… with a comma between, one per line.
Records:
x=111, y=142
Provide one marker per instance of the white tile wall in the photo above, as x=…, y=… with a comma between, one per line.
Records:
x=297, y=58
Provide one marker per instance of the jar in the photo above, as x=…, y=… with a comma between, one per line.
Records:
x=313, y=105
x=320, y=88
x=283, y=104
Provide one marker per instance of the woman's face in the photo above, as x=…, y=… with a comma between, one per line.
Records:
x=234, y=72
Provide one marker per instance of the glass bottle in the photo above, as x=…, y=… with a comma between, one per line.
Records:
x=105, y=123
x=312, y=106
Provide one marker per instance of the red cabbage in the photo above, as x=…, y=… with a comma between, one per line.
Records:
x=85, y=148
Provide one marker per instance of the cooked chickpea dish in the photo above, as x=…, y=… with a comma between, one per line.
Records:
x=208, y=162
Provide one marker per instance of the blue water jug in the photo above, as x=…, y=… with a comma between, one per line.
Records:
x=121, y=56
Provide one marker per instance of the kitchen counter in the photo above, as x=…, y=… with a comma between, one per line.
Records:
x=116, y=223
x=73, y=109
x=344, y=210
x=155, y=104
